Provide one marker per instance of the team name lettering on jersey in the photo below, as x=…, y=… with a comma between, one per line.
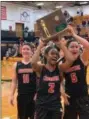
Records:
x=74, y=68
x=54, y=78
x=25, y=70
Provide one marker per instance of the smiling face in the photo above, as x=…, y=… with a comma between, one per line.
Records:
x=26, y=51
x=73, y=47
x=52, y=56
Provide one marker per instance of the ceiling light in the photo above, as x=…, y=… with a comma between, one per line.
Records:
x=58, y=7
x=40, y=4
x=81, y=3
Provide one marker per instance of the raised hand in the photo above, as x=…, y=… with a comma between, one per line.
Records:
x=71, y=30
x=42, y=42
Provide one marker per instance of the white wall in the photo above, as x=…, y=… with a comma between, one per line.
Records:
x=73, y=10
x=14, y=15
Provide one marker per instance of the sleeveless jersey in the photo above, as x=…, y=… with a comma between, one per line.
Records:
x=48, y=92
x=26, y=78
x=75, y=80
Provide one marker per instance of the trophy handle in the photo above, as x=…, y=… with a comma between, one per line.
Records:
x=58, y=34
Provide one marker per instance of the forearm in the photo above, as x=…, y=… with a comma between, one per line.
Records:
x=13, y=88
x=62, y=89
x=68, y=56
x=36, y=55
x=81, y=40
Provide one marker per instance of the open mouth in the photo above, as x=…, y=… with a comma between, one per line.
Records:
x=54, y=59
x=74, y=53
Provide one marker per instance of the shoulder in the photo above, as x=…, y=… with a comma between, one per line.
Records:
x=16, y=64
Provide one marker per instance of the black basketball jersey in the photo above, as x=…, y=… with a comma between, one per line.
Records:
x=75, y=79
x=48, y=92
x=26, y=78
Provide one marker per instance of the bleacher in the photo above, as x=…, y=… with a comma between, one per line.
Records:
x=7, y=67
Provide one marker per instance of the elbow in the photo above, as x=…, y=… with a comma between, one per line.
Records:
x=33, y=62
x=33, y=65
x=71, y=60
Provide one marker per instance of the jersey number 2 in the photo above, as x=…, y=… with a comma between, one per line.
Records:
x=74, y=78
x=25, y=78
x=51, y=87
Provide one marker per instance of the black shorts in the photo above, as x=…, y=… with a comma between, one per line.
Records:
x=78, y=107
x=42, y=113
x=25, y=106
x=71, y=113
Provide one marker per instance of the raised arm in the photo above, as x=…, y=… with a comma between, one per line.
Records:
x=36, y=57
x=81, y=40
x=84, y=42
x=69, y=59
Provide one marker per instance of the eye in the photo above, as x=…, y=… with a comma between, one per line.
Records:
x=71, y=46
x=27, y=48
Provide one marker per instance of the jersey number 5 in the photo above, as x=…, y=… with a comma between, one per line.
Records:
x=25, y=78
x=74, y=78
x=51, y=87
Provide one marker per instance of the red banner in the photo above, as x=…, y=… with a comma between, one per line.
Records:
x=3, y=13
